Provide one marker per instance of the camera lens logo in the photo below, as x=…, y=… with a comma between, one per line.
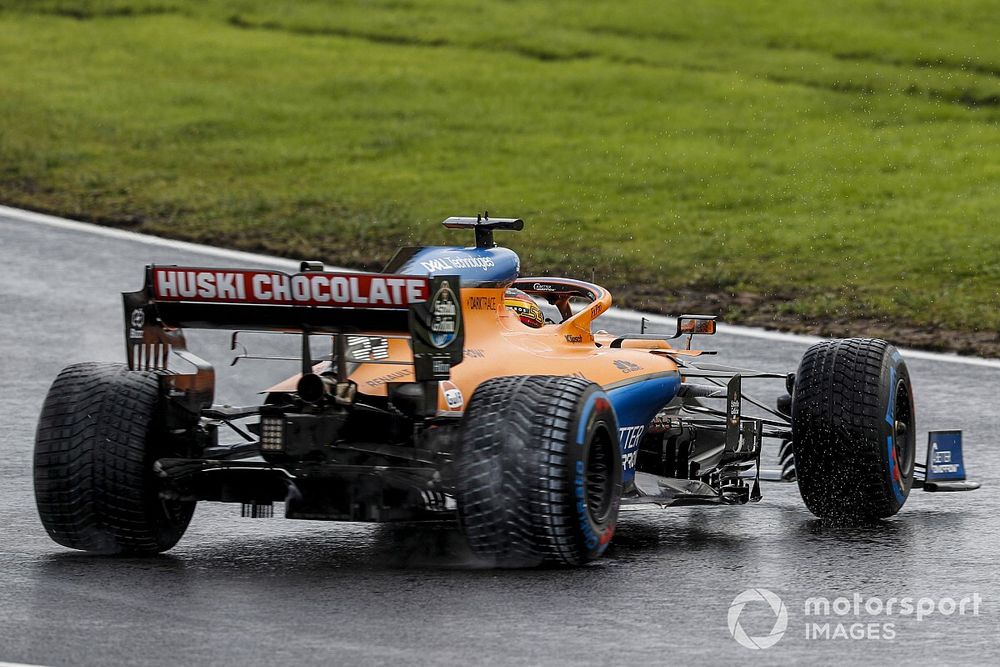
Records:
x=756, y=595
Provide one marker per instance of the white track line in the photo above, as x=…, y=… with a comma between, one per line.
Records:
x=121, y=234
x=17, y=664
x=620, y=313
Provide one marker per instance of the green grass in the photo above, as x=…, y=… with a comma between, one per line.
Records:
x=834, y=162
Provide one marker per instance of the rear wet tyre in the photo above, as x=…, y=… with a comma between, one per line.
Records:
x=853, y=429
x=93, y=465
x=539, y=473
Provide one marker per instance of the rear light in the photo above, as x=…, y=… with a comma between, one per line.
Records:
x=272, y=434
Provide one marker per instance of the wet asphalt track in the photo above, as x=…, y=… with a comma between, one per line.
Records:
x=245, y=591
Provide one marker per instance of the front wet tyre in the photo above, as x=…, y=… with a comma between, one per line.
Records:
x=853, y=429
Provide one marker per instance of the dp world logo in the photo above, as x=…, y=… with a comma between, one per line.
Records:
x=755, y=596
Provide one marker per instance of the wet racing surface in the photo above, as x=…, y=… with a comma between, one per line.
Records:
x=253, y=591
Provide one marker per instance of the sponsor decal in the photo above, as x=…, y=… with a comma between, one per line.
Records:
x=452, y=395
x=445, y=315
x=458, y=261
x=944, y=463
x=382, y=379
x=543, y=287
x=629, y=438
x=440, y=365
x=482, y=302
x=627, y=366
x=475, y=352
x=136, y=323
x=367, y=348
x=944, y=457
x=941, y=461
x=346, y=290
x=573, y=339
x=734, y=414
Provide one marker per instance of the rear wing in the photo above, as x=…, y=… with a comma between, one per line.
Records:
x=313, y=301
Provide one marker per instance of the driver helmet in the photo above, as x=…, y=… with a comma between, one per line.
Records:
x=525, y=307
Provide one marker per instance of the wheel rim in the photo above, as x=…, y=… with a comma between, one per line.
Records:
x=902, y=429
x=599, y=475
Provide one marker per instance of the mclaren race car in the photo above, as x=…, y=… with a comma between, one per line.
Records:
x=441, y=394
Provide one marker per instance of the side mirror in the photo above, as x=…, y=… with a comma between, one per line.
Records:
x=689, y=325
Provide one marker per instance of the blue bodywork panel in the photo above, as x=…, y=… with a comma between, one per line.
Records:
x=477, y=266
x=635, y=406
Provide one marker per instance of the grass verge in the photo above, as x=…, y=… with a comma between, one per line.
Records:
x=827, y=169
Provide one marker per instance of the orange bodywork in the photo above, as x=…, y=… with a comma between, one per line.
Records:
x=498, y=344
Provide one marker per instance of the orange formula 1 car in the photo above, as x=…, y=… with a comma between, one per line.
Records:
x=442, y=393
